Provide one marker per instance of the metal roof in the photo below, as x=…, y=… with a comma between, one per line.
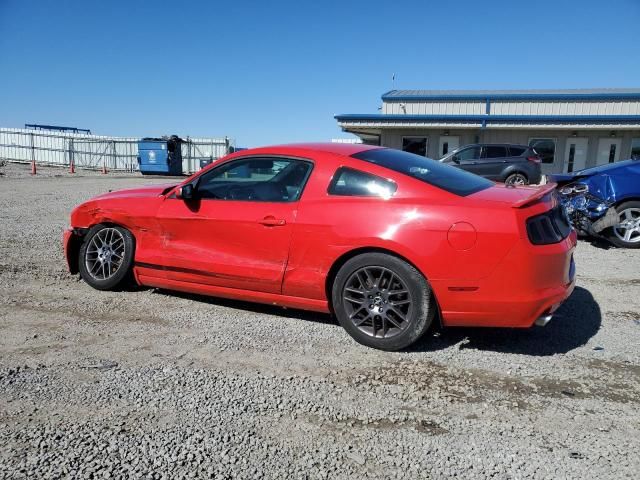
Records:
x=567, y=94
x=493, y=118
x=483, y=121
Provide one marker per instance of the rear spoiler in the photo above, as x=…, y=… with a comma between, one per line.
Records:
x=535, y=196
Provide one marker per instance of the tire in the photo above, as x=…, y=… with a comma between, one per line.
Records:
x=516, y=178
x=365, y=298
x=629, y=214
x=110, y=268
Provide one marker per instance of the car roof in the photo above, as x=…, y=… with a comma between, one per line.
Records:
x=346, y=149
x=496, y=145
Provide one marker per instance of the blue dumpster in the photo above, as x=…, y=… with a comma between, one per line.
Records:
x=160, y=156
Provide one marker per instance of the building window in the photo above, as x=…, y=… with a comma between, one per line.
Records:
x=415, y=145
x=545, y=147
x=572, y=157
x=635, y=148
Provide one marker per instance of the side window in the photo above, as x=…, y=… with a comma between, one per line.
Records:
x=516, y=151
x=468, y=154
x=350, y=182
x=494, y=151
x=256, y=179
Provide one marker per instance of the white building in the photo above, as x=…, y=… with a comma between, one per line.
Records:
x=572, y=129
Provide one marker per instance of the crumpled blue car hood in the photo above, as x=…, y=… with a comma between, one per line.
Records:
x=612, y=182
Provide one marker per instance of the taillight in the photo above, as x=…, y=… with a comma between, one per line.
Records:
x=534, y=159
x=550, y=227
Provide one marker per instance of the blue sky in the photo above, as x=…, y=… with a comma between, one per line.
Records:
x=270, y=72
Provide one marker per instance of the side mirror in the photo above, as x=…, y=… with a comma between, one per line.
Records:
x=185, y=192
x=455, y=159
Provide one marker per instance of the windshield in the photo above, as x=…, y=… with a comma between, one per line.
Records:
x=434, y=173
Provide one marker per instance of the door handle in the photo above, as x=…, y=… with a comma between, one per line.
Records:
x=272, y=221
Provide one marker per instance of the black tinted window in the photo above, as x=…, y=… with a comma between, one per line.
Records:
x=441, y=175
x=516, y=151
x=493, y=151
x=349, y=182
x=256, y=179
x=417, y=145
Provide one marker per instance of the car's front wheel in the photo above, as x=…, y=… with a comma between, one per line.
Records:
x=106, y=256
x=382, y=301
x=626, y=233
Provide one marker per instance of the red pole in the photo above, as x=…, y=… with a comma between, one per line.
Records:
x=33, y=167
x=104, y=169
x=72, y=167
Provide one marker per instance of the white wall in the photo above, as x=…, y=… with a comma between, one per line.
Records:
x=497, y=107
x=393, y=138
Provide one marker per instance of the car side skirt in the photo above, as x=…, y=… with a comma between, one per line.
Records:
x=234, y=294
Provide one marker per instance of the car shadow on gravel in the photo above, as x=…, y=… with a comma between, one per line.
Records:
x=600, y=243
x=576, y=321
x=255, y=307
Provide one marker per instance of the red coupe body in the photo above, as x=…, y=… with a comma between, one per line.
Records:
x=475, y=250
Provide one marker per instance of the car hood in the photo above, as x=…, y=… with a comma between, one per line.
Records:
x=609, y=169
x=138, y=192
x=612, y=182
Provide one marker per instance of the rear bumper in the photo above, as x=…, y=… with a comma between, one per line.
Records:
x=531, y=282
x=536, y=178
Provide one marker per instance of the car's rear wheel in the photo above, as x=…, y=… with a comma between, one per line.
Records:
x=106, y=257
x=516, y=179
x=626, y=234
x=382, y=301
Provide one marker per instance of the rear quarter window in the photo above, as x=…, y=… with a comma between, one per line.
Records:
x=516, y=151
x=438, y=174
x=355, y=183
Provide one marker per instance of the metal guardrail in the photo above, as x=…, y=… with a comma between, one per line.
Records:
x=95, y=151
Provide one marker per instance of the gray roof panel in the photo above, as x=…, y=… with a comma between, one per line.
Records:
x=566, y=94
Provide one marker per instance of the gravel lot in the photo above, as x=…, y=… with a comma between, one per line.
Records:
x=153, y=384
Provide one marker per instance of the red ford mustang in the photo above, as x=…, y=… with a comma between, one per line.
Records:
x=386, y=240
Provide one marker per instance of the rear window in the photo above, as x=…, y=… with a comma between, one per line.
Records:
x=516, y=151
x=446, y=177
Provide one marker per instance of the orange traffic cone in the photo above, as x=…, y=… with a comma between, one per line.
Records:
x=72, y=167
x=33, y=167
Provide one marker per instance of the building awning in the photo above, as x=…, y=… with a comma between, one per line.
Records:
x=386, y=121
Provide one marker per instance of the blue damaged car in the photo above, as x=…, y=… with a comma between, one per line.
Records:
x=604, y=201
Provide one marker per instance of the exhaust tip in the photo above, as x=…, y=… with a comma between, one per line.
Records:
x=543, y=320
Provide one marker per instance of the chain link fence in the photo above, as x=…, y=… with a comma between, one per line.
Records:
x=95, y=151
